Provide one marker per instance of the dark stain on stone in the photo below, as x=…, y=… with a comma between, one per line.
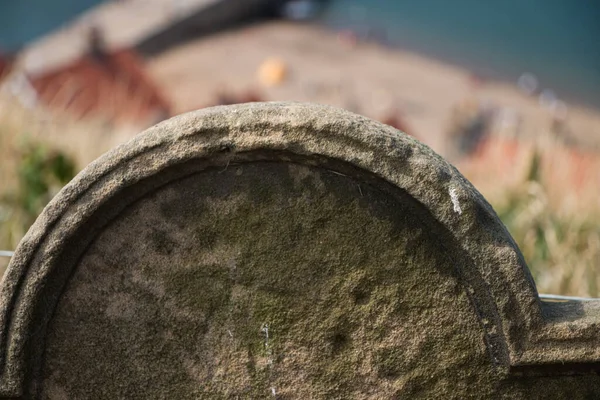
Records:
x=339, y=341
x=205, y=238
x=360, y=296
x=161, y=242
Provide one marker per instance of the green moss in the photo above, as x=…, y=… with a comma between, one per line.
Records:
x=357, y=292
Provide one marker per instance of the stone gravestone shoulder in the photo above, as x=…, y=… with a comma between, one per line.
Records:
x=287, y=251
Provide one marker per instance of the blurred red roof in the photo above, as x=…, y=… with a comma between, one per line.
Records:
x=6, y=62
x=110, y=85
x=574, y=168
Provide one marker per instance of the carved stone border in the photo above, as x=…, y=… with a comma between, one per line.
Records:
x=522, y=333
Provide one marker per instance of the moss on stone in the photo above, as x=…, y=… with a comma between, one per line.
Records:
x=297, y=287
x=251, y=256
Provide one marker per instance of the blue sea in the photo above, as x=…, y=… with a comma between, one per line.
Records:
x=557, y=40
x=25, y=20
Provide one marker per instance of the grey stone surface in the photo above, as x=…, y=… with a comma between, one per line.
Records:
x=282, y=251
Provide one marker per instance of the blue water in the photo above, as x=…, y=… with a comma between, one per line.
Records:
x=557, y=40
x=24, y=20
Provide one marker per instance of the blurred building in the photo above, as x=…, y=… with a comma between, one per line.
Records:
x=6, y=63
x=94, y=66
x=111, y=85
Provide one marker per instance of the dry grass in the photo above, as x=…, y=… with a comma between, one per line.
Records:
x=546, y=194
x=556, y=221
x=23, y=131
x=562, y=248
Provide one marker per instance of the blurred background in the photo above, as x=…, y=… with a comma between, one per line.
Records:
x=508, y=91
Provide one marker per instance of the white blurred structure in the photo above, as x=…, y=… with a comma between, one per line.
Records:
x=527, y=83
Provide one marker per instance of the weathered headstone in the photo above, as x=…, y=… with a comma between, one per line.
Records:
x=285, y=251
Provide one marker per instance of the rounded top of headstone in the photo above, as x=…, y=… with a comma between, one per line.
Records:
x=520, y=329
